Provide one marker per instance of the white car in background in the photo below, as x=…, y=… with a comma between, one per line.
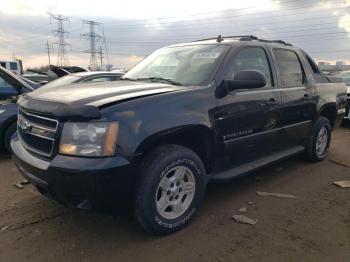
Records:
x=14, y=67
x=346, y=77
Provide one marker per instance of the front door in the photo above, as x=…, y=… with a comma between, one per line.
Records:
x=248, y=121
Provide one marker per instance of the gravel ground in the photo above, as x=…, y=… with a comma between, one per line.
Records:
x=313, y=227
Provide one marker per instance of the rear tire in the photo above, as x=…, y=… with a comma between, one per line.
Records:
x=319, y=140
x=11, y=129
x=170, y=189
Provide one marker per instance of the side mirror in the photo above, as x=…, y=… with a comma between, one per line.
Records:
x=246, y=79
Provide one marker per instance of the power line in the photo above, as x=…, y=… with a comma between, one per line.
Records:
x=62, y=56
x=252, y=16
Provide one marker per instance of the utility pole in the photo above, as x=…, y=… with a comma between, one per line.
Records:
x=48, y=51
x=62, y=56
x=101, y=56
x=93, y=37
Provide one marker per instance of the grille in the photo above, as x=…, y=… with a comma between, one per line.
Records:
x=37, y=134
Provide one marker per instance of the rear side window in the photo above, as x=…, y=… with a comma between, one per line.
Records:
x=290, y=71
x=13, y=66
x=3, y=64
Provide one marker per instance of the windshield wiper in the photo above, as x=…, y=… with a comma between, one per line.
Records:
x=160, y=79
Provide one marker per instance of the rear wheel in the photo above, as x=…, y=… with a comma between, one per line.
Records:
x=8, y=134
x=170, y=190
x=319, y=140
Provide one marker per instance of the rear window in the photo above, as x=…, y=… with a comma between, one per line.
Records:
x=13, y=66
x=289, y=69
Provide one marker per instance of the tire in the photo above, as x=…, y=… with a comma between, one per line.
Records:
x=164, y=208
x=11, y=129
x=312, y=153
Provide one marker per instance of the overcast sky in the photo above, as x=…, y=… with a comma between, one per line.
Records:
x=134, y=29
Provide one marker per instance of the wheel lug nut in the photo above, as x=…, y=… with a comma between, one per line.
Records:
x=171, y=198
x=168, y=192
x=172, y=185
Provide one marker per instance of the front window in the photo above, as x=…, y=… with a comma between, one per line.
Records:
x=185, y=65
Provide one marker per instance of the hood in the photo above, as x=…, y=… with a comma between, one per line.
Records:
x=60, y=101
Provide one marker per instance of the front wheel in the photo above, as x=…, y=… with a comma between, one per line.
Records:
x=170, y=190
x=8, y=135
x=319, y=140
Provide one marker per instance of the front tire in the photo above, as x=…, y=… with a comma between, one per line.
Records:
x=319, y=140
x=8, y=135
x=170, y=189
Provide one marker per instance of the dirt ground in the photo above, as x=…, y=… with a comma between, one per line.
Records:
x=313, y=227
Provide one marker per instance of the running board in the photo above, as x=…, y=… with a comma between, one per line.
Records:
x=252, y=166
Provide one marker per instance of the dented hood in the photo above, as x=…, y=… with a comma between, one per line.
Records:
x=83, y=100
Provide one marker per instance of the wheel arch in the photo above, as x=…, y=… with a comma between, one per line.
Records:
x=329, y=111
x=198, y=138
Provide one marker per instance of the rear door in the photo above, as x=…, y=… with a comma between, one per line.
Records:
x=298, y=101
x=247, y=121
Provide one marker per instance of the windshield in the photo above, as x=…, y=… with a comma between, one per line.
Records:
x=185, y=65
x=63, y=81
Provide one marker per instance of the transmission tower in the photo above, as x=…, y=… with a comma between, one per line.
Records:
x=93, y=37
x=62, y=56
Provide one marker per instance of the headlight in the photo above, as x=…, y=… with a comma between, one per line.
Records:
x=89, y=139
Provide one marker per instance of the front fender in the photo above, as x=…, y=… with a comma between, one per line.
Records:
x=141, y=120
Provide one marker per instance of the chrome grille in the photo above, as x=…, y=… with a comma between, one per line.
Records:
x=37, y=133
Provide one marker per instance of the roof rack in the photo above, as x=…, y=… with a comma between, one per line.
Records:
x=220, y=38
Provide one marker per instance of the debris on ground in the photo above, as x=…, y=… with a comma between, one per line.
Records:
x=279, y=169
x=4, y=228
x=244, y=219
x=251, y=203
x=18, y=185
x=25, y=182
x=242, y=210
x=275, y=195
x=343, y=184
x=338, y=163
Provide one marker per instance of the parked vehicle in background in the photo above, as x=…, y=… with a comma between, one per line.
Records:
x=84, y=77
x=32, y=84
x=13, y=66
x=346, y=77
x=54, y=73
x=191, y=113
x=11, y=87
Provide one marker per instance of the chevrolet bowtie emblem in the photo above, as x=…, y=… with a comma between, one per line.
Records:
x=25, y=126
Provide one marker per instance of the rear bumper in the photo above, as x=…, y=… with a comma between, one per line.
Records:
x=85, y=183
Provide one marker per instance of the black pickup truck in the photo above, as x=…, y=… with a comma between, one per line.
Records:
x=188, y=114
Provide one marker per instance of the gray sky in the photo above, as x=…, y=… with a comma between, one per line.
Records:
x=133, y=28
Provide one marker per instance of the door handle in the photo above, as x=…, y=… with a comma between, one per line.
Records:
x=271, y=102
